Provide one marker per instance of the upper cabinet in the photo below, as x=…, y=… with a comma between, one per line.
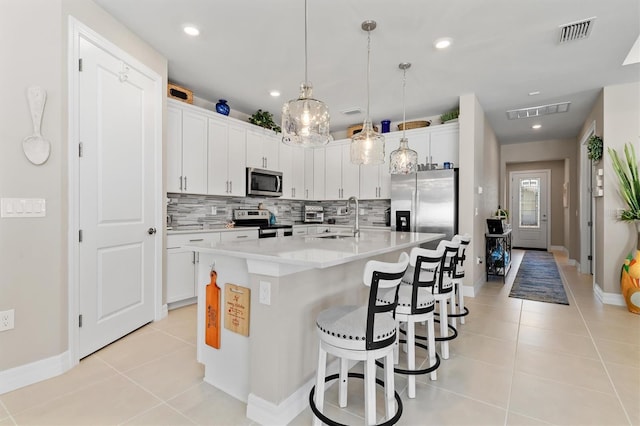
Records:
x=292, y=165
x=342, y=178
x=187, y=151
x=226, y=158
x=263, y=147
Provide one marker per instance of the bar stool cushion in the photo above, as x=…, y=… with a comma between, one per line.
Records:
x=346, y=326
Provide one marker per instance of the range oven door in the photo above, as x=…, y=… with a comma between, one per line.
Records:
x=264, y=183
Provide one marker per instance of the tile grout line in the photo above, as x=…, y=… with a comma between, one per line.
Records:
x=9, y=416
x=593, y=342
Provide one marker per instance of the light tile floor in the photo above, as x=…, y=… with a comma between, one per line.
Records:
x=515, y=362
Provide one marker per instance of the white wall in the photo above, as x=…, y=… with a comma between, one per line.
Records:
x=33, y=258
x=621, y=125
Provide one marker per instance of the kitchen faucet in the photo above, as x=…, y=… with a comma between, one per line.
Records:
x=356, y=229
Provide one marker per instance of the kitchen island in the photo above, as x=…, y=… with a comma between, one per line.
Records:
x=291, y=279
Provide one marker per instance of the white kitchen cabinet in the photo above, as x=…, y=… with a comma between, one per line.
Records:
x=342, y=178
x=186, y=149
x=239, y=235
x=182, y=265
x=227, y=147
x=319, y=174
x=300, y=230
x=444, y=144
x=308, y=174
x=375, y=180
x=292, y=163
x=263, y=149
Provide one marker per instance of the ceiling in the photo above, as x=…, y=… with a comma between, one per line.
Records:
x=502, y=50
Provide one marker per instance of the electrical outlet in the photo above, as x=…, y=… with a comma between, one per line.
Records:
x=478, y=260
x=214, y=210
x=363, y=211
x=265, y=292
x=7, y=320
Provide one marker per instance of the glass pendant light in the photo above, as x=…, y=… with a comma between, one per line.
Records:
x=403, y=160
x=367, y=146
x=305, y=121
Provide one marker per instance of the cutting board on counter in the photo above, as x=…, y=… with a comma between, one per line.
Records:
x=237, y=308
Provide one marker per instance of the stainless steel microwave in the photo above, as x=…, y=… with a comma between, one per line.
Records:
x=264, y=183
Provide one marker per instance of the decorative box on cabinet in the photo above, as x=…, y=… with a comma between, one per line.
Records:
x=498, y=254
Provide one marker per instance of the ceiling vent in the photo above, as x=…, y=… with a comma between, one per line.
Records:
x=351, y=111
x=576, y=30
x=538, y=111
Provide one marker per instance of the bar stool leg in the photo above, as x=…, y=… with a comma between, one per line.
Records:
x=370, y=390
x=389, y=387
x=452, y=303
x=431, y=330
x=411, y=357
x=319, y=396
x=460, y=302
x=344, y=380
x=444, y=331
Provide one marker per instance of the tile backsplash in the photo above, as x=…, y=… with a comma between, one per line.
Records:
x=189, y=209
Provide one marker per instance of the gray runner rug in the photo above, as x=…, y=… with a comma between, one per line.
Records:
x=538, y=279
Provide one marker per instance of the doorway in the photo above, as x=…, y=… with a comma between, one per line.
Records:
x=115, y=188
x=529, y=204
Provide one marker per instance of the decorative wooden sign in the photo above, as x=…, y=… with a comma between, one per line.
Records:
x=237, y=308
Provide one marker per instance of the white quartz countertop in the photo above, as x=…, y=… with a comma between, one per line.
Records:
x=212, y=228
x=317, y=251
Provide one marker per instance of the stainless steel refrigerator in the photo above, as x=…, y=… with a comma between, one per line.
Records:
x=425, y=201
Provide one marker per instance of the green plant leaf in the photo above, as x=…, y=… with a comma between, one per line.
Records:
x=627, y=173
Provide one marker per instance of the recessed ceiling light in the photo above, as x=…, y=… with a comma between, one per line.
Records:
x=275, y=93
x=535, y=92
x=442, y=43
x=191, y=30
x=536, y=126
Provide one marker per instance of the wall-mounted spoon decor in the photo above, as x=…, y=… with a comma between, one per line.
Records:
x=35, y=147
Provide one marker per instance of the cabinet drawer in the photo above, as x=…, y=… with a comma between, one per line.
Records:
x=239, y=235
x=179, y=240
x=303, y=230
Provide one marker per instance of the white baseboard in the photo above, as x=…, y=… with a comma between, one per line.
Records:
x=608, y=298
x=28, y=374
x=266, y=413
x=558, y=248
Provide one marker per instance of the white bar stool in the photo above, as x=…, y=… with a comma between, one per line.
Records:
x=444, y=295
x=361, y=333
x=416, y=303
x=459, y=310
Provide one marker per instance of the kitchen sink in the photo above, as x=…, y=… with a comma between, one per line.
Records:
x=335, y=236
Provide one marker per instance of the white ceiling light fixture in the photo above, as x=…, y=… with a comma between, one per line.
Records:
x=403, y=160
x=274, y=93
x=191, y=30
x=442, y=42
x=536, y=126
x=305, y=121
x=367, y=146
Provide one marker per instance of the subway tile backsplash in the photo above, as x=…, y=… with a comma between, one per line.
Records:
x=190, y=209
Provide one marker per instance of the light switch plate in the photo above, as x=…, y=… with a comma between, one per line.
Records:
x=22, y=207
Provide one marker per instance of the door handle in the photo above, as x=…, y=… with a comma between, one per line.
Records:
x=151, y=231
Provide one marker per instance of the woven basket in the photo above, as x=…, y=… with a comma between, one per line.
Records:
x=413, y=124
x=357, y=128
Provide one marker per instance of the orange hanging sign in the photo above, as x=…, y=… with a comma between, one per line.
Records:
x=212, y=329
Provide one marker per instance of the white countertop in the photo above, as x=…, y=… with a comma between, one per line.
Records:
x=315, y=252
x=211, y=228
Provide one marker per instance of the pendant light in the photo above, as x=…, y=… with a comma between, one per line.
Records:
x=305, y=121
x=403, y=160
x=367, y=146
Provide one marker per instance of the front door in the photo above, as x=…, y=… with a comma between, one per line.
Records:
x=529, y=205
x=117, y=111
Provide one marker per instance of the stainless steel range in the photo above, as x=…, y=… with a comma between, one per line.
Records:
x=260, y=218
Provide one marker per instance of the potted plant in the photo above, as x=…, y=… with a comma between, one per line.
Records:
x=594, y=146
x=627, y=173
x=264, y=119
x=448, y=116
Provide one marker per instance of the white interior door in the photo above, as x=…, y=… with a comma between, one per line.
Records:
x=530, y=207
x=117, y=112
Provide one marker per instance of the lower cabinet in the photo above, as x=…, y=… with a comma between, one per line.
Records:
x=182, y=264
